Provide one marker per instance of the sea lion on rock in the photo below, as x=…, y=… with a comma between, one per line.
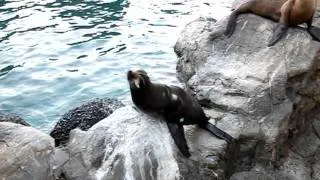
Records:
x=286, y=12
x=176, y=106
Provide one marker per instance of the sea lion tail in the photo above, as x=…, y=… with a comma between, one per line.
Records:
x=218, y=132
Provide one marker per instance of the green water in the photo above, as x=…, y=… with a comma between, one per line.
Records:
x=57, y=54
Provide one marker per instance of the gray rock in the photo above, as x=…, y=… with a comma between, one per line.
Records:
x=316, y=166
x=261, y=95
x=83, y=117
x=25, y=153
x=4, y=117
x=132, y=145
x=251, y=175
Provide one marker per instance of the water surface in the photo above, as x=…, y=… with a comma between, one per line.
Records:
x=56, y=55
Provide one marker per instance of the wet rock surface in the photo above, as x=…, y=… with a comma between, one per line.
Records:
x=25, y=153
x=260, y=95
x=83, y=117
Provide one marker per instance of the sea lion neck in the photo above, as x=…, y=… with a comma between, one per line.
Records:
x=138, y=95
x=143, y=88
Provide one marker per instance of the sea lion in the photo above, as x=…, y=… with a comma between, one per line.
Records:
x=176, y=106
x=286, y=12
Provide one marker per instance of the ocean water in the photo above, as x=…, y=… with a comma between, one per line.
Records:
x=58, y=54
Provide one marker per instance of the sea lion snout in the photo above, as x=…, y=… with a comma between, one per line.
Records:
x=130, y=75
x=133, y=79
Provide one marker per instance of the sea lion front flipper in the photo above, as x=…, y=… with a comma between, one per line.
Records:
x=278, y=33
x=314, y=32
x=177, y=133
x=217, y=132
x=285, y=20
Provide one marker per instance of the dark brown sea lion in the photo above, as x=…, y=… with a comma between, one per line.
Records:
x=286, y=12
x=176, y=105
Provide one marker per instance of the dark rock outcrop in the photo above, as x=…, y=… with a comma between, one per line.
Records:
x=12, y=118
x=261, y=95
x=25, y=153
x=83, y=117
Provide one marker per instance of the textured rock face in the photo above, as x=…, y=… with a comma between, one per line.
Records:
x=12, y=118
x=132, y=145
x=260, y=95
x=25, y=153
x=83, y=117
x=302, y=161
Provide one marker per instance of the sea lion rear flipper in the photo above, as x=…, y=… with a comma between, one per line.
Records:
x=177, y=133
x=218, y=132
x=232, y=22
x=278, y=33
x=314, y=32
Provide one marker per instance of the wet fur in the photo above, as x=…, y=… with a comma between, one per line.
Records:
x=176, y=106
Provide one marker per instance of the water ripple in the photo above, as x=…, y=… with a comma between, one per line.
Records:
x=59, y=54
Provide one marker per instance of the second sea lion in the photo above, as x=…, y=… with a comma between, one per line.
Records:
x=286, y=12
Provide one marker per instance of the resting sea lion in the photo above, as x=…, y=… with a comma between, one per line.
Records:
x=286, y=12
x=176, y=105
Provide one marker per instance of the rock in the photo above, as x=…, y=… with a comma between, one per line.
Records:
x=12, y=118
x=260, y=95
x=25, y=153
x=83, y=117
x=251, y=175
x=316, y=166
x=132, y=145
x=302, y=161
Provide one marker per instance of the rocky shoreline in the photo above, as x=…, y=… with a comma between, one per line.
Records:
x=267, y=98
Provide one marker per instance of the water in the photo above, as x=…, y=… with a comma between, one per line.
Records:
x=56, y=55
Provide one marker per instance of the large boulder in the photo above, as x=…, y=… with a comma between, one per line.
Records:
x=5, y=117
x=25, y=153
x=132, y=145
x=302, y=161
x=260, y=95
x=83, y=117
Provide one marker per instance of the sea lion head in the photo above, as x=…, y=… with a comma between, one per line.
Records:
x=138, y=79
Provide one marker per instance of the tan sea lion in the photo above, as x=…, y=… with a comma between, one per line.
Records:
x=175, y=104
x=286, y=12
